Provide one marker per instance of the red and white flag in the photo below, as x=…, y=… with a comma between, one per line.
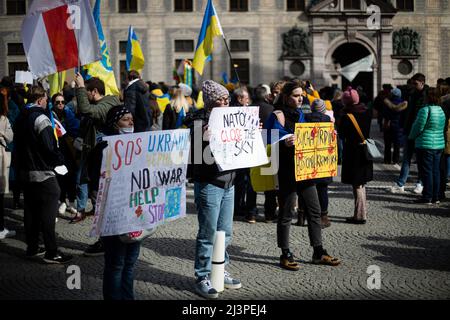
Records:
x=58, y=34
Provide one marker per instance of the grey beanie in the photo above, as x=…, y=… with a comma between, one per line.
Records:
x=212, y=91
x=318, y=105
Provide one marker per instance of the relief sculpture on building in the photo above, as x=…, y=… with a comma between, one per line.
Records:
x=406, y=42
x=295, y=43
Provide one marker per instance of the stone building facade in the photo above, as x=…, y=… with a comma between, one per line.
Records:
x=270, y=39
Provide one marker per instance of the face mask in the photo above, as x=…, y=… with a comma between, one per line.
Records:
x=126, y=130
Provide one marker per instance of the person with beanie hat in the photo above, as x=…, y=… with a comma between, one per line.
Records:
x=393, y=114
x=356, y=169
x=318, y=114
x=120, y=257
x=213, y=191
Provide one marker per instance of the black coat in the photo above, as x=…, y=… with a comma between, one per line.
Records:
x=265, y=110
x=356, y=169
x=137, y=99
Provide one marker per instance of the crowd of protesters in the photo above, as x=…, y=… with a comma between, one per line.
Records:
x=58, y=173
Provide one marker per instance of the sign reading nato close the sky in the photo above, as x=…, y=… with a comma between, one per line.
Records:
x=142, y=182
x=236, y=140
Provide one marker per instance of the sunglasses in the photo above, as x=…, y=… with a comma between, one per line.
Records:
x=59, y=101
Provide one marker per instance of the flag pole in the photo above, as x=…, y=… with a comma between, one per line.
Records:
x=231, y=61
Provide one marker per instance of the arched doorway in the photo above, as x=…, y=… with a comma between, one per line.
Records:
x=348, y=53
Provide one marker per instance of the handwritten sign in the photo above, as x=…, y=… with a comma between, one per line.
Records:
x=315, y=151
x=143, y=181
x=236, y=140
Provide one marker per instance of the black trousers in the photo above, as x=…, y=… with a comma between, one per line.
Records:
x=270, y=203
x=41, y=207
x=2, y=211
x=310, y=200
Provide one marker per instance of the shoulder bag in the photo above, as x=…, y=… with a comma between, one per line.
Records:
x=370, y=148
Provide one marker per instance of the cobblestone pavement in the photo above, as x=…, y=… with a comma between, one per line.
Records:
x=409, y=243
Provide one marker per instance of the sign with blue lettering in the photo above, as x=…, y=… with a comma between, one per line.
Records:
x=142, y=182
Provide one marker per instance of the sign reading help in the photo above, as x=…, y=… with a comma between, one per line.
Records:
x=315, y=151
x=236, y=141
x=142, y=182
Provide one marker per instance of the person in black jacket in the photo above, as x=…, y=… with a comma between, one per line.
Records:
x=214, y=193
x=137, y=99
x=356, y=169
x=38, y=157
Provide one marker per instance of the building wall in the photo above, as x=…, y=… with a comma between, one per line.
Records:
x=158, y=26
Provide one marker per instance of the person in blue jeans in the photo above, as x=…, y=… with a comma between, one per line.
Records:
x=120, y=256
x=428, y=133
x=214, y=194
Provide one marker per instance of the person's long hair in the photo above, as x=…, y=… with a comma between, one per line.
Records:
x=179, y=102
x=4, y=102
x=287, y=90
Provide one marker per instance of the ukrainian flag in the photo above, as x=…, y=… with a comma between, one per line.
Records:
x=56, y=82
x=210, y=28
x=135, y=57
x=102, y=69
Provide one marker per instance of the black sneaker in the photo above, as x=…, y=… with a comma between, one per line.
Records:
x=34, y=254
x=59, y=258
x=423, y=201
x=94, y=250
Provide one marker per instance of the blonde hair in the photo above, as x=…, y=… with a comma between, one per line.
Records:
x=179, y=101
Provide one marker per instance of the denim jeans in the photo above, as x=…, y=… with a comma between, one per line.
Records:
x=120, y=259
x=215, y=213
x=408, y=153
x=448, y=165
x=82, y=190
x=428, y=162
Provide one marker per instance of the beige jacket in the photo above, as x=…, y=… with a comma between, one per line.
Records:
x=6, y=136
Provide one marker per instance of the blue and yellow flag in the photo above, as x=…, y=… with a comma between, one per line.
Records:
x=210, y=28
x=56, y=82
x=135, y=57
x=101, y=69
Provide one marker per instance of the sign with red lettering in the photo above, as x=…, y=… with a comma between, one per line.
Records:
x=236, y=141
x=142, y=182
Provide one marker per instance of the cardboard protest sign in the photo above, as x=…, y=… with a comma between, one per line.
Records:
x=142, y=182
x=315, y=151
x=236, y=140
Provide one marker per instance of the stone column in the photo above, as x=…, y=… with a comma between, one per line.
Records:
x=385, y=60
x=319, y=44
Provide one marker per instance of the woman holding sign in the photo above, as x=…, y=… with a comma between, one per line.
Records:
x=214, y=193
x=120, y=255
x=287, y=113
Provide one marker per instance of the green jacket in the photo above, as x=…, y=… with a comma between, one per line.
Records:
x=97, y=112
x=428, y=128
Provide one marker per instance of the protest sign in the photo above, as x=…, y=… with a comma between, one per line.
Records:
x=142, y=182
x=236, y=140
x=24, y=77
x=315, y=151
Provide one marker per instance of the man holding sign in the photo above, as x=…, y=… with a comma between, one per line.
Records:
x=214, y=192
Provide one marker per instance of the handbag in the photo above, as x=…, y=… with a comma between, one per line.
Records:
x=370, y=148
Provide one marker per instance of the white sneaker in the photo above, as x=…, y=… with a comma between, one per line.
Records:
x=418, y=189
x=62, y=208
x=7, y=233
x=71, y=208
x=397, y=189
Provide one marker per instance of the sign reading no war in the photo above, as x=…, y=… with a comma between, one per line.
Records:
x=142, y=182
x=315, y=151
x=236, y=140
